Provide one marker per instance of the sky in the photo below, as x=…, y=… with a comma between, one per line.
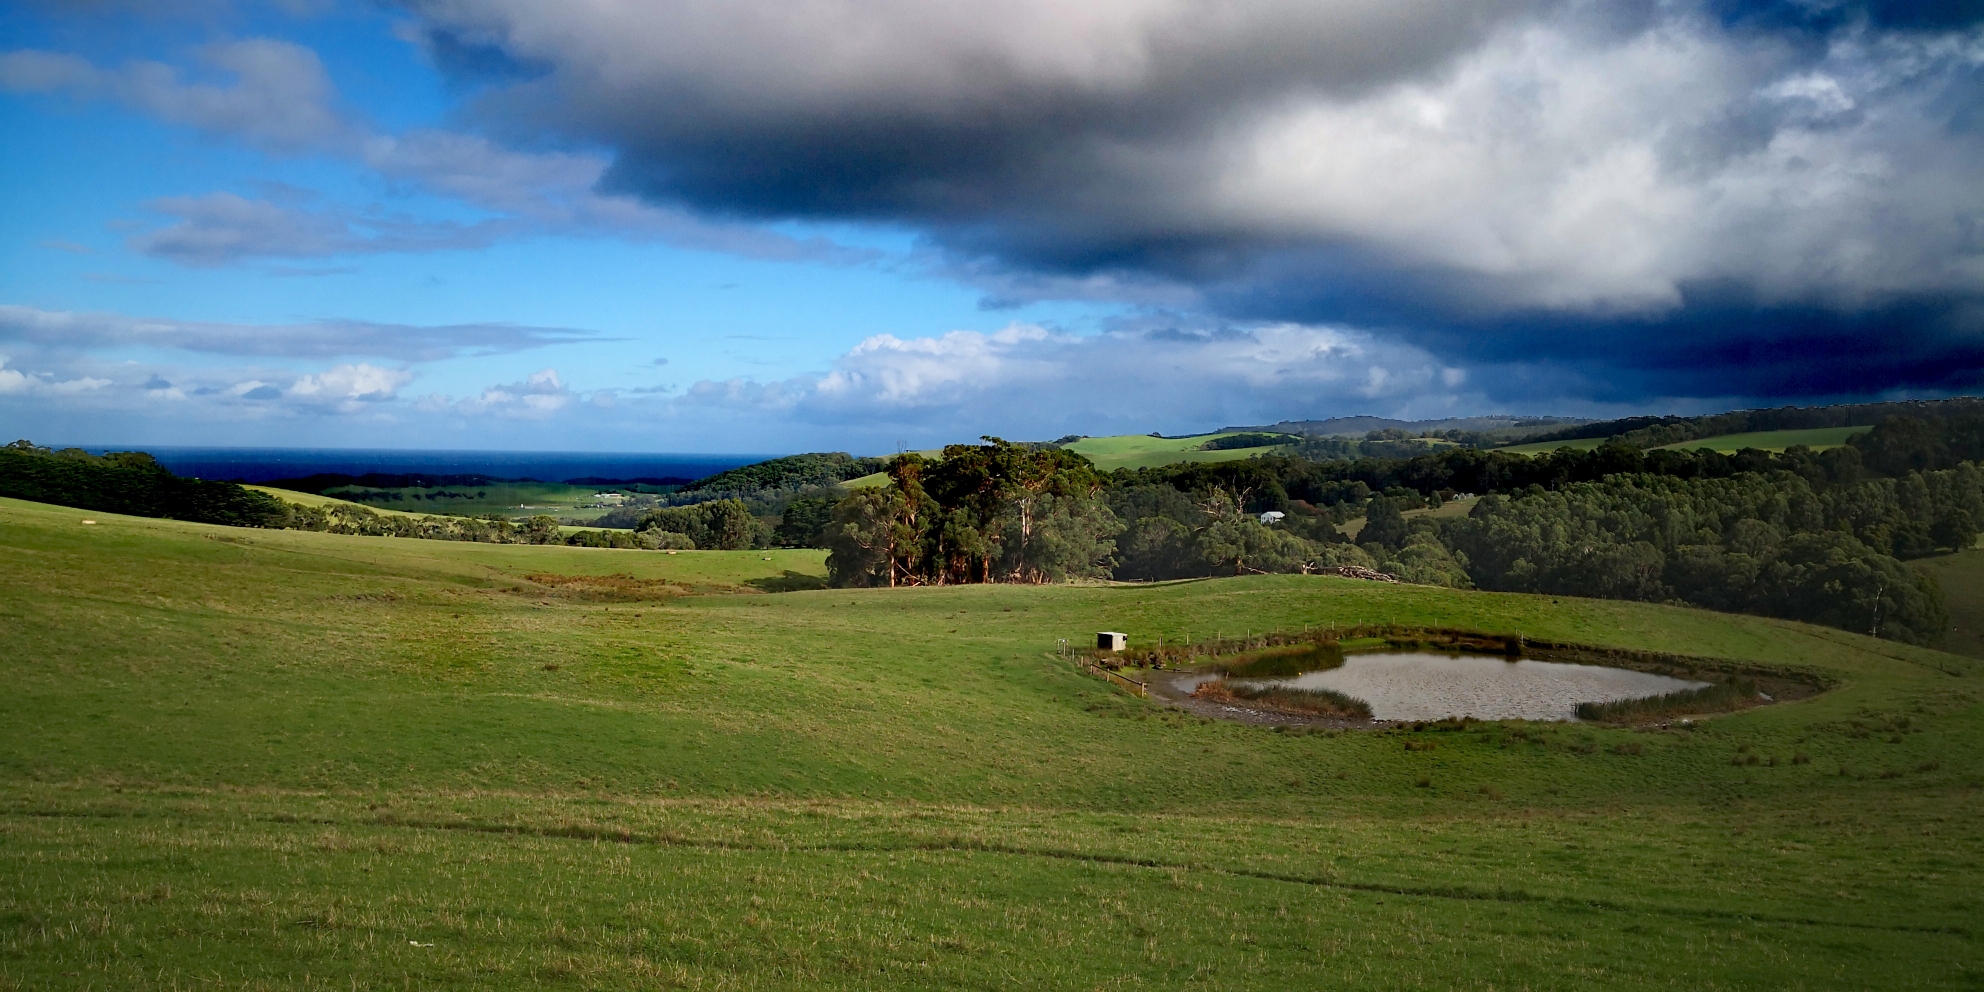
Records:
x=670, y=225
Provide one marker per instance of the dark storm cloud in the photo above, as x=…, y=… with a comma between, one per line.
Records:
x=1658, y=200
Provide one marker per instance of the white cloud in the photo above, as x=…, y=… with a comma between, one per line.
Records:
x=278, y=95
x=540, y=395
x=1601, y=175
x=1029, y=381
x=57, y=330
x=281, y=99
x=14, y=382
x=348, y=388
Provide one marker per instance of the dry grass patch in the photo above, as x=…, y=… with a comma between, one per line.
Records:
x=602, y=588
x=1285, y=699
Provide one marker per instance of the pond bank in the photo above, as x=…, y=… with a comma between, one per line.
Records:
x=1478, y=675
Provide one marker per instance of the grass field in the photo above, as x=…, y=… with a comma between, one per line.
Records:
x=1130, y=451
x=1136, y=450
x=312, y=499
x=242, y=759
x=1539, y=447
x=510, y=499
x=1961, y=577
x=1451, y=508
x=1818, y=439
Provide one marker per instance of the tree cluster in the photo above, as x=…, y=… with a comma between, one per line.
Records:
x=722, y=524
x=1651, y=432
x=130, y=482
x=1768, y=544
x=820, y=468
x=981, y=513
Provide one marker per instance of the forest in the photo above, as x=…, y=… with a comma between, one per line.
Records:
x=1814, y=536
x=130, y=482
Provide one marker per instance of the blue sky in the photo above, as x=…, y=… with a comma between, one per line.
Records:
x=668, y=227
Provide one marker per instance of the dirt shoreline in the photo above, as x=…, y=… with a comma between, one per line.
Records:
x=1174, y=689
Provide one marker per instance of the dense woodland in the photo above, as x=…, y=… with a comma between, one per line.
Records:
x=1816, y=536
x=1650, y=432
x=129, y=482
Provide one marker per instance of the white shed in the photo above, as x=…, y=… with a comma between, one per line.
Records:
x=1111, y=640
x=1272, y=517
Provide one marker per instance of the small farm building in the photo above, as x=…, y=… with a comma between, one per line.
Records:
x=1110, y=640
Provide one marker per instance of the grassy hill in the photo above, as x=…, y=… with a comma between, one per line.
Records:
x=1451, y=508
x=510, y=499
x=1539, y=447
x=1961, y=577
x=256, y=759
x=1818, y=439
x=312, y=499
x=1145, y=451
x=1130, y=451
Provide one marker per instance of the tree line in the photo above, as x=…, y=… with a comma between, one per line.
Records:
x=129, y=482
x=1814, y=536
x=1650, y=432
x=135, y=484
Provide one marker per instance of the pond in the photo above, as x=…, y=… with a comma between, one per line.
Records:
x=1430, y=686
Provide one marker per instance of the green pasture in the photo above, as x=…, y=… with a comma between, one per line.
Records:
x=1451, y=508
x=1540, y=447
x=1818, y=439
x=312, y=499
x=1961, y=577
x=510, y=499
x=1127, y=451
x=1144, y=451
x=240, y=759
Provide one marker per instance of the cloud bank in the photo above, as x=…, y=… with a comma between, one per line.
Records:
x=1024, y=381
x=1591, y=181
x=65, y=331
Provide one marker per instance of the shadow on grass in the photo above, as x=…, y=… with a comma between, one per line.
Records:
x=791, y=581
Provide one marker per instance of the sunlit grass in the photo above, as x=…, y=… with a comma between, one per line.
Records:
x=246, y=759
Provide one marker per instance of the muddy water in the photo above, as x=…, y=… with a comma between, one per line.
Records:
x=1427, y=686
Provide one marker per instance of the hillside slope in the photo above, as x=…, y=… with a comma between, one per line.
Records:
x=285, y=758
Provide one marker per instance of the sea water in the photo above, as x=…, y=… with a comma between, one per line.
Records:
x=266, y=464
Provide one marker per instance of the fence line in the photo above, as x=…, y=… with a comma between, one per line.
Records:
x=1117, y=677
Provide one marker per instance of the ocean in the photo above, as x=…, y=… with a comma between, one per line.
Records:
x=266, y=464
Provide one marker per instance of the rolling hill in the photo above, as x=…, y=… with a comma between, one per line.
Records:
x=271, y=758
